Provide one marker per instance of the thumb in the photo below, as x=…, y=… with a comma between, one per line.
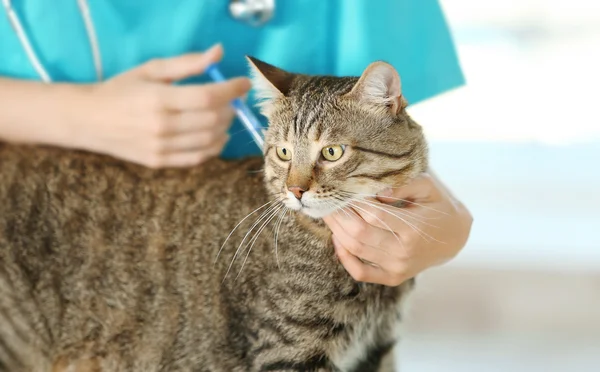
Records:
x=181, y=67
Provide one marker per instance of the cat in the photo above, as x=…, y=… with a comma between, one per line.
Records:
x=110, y=266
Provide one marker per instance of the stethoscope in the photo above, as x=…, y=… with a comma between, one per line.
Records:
x=253, y=12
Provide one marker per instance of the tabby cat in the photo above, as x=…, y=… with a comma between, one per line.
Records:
x=110, y=266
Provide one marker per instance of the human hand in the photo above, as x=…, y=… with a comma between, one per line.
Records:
x=142, y=117
x=379, y=243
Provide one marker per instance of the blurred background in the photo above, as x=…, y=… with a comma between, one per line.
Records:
x=520, y=145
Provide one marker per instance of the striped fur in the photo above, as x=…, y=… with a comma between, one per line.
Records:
x=108, y=266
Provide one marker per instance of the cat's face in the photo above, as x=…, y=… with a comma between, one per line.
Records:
x=332, y=140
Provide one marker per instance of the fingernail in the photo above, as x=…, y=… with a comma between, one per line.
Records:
x=213, y=47
x=212, y=52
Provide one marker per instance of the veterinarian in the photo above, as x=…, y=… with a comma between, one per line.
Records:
x=99, y=76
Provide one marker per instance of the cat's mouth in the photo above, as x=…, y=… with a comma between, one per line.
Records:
x=315, y=208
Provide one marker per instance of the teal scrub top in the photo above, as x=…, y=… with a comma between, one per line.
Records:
x=337, y=37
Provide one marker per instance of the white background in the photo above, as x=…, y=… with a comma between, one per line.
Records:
x=520, y=144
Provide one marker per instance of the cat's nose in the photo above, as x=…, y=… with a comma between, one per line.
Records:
x=297, y=191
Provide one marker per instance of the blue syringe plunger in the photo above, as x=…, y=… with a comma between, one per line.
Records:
x=242, y=111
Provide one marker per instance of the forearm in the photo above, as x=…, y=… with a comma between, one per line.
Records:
x=35, y=112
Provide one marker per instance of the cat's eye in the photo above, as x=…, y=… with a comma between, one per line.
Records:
x=284, y=154
x=333, y=152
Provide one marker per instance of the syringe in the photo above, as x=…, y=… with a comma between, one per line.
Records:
x=242, y=110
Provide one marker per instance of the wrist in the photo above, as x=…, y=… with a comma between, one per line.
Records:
x=70, y=104
x=40, y=113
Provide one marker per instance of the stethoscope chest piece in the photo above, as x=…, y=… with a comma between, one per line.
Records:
x=253, y=12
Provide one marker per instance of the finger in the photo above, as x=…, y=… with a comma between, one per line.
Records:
x=205, y=96
x=365, y=230
x=403, y=229
x=386, y=217
x=191, y=141
x=355, y=225
x=387, y=234
x=191, y=158
x=373, y=254
x=358, y=270
x=180, y=67
x=192, y=121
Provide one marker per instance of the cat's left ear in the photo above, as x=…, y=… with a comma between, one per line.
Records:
x=268, y=81
x=380, y=86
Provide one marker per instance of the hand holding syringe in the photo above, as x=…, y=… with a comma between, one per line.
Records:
x=242, y=110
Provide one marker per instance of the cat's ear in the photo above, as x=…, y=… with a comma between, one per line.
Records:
x=380, y=86
x=268, y=81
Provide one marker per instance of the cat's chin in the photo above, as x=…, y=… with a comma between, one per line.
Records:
x=315, y=213
x=308, y=210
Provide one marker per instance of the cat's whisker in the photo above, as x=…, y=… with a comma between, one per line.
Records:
x=345, y=212
x=342, y=201
x=398, y=217
x=256, y=236
x=404, y=211
x=380, y=220
x=402, y=200
x=263, y=215
x=385, y=206
x=330, y=204
x=421, y=233
x=336, y=208
x=393, y=210
x=408, y=212
x=278, y=226
x=376, y=248
x=239, y=223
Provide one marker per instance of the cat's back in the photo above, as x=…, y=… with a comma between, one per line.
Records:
x=78, y=187
x=97, y=252
x=49, y=194
x=70, y=172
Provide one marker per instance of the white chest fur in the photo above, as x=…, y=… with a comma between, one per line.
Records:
x=362, y=340
x=367, y=335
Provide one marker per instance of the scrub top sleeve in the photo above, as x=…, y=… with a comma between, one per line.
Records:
x=412, y=35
